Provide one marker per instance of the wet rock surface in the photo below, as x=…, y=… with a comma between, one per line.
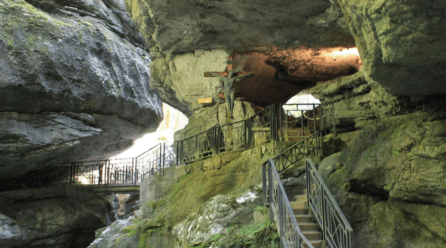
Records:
x=53, y=217
x=74, y=83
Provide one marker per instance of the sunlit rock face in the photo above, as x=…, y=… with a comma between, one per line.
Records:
x=74, y=83
x=402, y=43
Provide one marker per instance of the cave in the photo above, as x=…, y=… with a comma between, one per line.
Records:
x=81, y=81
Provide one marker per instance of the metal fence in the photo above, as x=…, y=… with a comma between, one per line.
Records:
x=280, y=209
x=300, y=120
x=277, y=122
x=336, y=229
x=298, y=151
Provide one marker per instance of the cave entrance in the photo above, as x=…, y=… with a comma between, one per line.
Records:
x=302, y=98
x=173, y=121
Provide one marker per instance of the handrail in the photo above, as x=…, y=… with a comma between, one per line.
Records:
x=280, y=209
x=335, y=227
x=296, y=152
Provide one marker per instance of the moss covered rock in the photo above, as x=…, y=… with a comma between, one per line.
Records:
x=75, y=75
x=401, y=43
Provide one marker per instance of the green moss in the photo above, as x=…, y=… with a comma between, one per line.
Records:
x=261, y=209
x=388, y=187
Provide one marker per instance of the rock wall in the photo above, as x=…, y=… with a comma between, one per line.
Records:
x=402, y=43
x=209, y=117
x=53, y=217
x=388, y=178
x=178, y=27
x=359, y=102
x=74, y=83
x=389, y=183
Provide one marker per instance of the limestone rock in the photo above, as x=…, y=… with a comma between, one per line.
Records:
x=74, y=83
x=53, y=217
x=218, y=214
x=203, y=120
x=359, y=102
x=392, y=177
x=401, y=43
x=179, y=27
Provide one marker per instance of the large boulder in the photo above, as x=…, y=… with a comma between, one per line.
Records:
x=53, y=217
x=402, y=43
x=74, y=83
x=389, y=182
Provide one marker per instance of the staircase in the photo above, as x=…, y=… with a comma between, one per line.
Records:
x=313, y=219
x=307, y=224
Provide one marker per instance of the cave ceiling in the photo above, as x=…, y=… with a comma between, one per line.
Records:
x=403, y=51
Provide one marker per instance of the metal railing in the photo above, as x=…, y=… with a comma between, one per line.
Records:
x=336, y=229
x=298, y=151
x=280, y=209
x=130, y=171
x=299, y=120
x=277, y=122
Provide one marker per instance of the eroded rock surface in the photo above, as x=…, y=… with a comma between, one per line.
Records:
x=54, y=217
x=178, y=27
x=402, y=43
x=74, y=83
x=389, y=182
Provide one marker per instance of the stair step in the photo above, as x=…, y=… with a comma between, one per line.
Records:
x=298, y=204
x=304, y=218
x=301, y=211
x=316, y=244
x=300, y=197
x=309, y=227
x=312, y=235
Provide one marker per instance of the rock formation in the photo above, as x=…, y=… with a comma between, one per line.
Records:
x=53, y=217
x=74, y=83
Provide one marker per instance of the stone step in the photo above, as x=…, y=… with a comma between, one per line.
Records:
x=301, y=211
x=316, y=244
x=308, y=227
x=301, y=197
x=298, y=204
x=304, y=218
x=312, y=235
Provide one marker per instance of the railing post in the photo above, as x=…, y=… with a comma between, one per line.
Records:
x=302, y=120
x=324, y=216
x=265, y=201
x=279, y=124
x=280, y=203
x=321, y=118
x=270, y=186
x=314, y=118
x=164, y=157
x=273, y=122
